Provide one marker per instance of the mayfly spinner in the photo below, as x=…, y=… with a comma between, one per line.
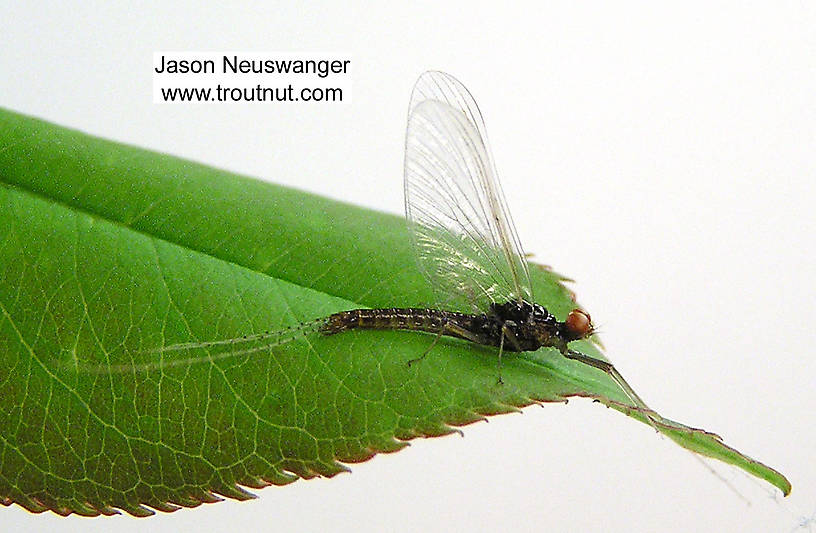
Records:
x=466, y=246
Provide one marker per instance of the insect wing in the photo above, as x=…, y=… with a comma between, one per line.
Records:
x=463, y=234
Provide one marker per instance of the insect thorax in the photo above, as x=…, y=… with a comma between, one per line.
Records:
x=522, y=312
x=530, y=325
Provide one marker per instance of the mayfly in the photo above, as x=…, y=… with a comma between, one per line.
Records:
x=466, y=245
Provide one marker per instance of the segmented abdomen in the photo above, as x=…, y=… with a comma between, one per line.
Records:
x=430, y=320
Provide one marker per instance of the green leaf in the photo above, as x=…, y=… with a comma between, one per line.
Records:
x=108, y=251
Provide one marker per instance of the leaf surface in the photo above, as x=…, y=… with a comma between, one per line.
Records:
x=109, y=251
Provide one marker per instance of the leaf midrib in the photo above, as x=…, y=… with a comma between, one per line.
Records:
x=96, y=215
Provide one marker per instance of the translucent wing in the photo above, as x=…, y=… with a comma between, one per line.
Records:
x=463, y=234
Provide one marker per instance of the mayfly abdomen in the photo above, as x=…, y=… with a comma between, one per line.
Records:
x=417, y=319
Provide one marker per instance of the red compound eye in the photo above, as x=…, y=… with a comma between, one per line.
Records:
x=579, y=323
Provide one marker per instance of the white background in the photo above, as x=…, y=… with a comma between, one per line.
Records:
x=664, y=158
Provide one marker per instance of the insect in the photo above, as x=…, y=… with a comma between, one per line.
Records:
x=466, y=245
x=466, y=242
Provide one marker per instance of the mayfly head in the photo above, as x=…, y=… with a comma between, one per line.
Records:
x=578, y=325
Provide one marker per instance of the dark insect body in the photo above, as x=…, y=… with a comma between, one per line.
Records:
x=511, y=326
x=517, y=327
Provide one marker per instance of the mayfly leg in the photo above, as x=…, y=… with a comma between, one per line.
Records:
x=506, y=333
x=501, y=349
x=450, y=328
x=428, y=350
x=616, y=376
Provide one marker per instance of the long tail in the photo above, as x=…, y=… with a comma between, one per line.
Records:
x=236, y=346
